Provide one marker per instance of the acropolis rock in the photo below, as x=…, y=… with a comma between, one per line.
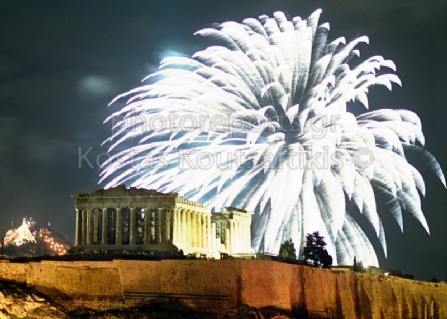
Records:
x=221, y=287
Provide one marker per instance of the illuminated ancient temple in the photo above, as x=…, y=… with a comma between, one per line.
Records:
x=133, y=219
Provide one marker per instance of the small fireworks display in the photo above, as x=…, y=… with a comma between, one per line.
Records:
x=29, y=239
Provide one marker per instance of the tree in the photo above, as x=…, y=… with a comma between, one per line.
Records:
x=287, y=250
x=315, y=252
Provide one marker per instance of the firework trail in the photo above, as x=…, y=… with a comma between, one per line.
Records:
x=260, y=121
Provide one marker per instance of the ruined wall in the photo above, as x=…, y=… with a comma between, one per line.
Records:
x=94, y=285
x=13, y=271
x=217, y=285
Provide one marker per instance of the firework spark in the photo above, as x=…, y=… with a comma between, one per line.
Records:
x=260, y=121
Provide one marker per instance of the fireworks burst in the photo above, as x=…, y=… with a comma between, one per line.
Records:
x=260, y=122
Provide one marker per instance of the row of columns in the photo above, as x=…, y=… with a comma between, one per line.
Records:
x=192, y=229
x=87, y=227
x=239, y=233
x=189, y=230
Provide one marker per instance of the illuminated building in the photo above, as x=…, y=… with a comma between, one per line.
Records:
x=120, y=219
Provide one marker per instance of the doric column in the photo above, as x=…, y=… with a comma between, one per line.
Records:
x=193, y=229
x=202, y=231
x=197, y=232
x=176, y=222
x=183, y=227
x=187, y=227
x=197, y=229
x=105, y=228
x=95, y=227
x=229, y=237
x=180, y=226
x=89, y=226
x=133, y=226
x=118, y=228
x=190, y=228
x=84, y=227
x=208, y=232
x=78, y=237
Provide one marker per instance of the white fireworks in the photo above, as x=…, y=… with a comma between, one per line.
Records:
x=260, y=122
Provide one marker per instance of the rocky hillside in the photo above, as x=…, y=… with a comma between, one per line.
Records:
x=18, y=301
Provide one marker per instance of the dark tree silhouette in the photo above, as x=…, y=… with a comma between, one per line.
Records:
x=287, y=250
x=315, y=252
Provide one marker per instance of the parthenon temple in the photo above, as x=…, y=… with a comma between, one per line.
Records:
x=134, y=219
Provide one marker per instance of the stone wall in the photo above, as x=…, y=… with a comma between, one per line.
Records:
x=13, y=271
x=94, y=285
x=217, y=285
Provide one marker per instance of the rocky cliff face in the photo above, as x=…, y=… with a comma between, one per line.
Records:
x=259, y=289
x=21, y=302
x=18, y=301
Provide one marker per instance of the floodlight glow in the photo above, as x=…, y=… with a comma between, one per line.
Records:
x=260, y=122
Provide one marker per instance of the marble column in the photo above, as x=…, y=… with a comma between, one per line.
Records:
x=194, y=229
x=89, y=226
x=179, y=226
x=229, y=237
x=105, y=228
x=118, y=228
x=78, y=237
x=208, y=232
x=176, y=222
x=95, y=224
x=187, y=228
x=84, y=227
x=182, y=227
x=229, y=232
x=198, y=229
x=133, y=226
x=202, y=231
x=190, y=230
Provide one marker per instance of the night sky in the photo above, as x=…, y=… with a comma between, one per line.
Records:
x=61, y=62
